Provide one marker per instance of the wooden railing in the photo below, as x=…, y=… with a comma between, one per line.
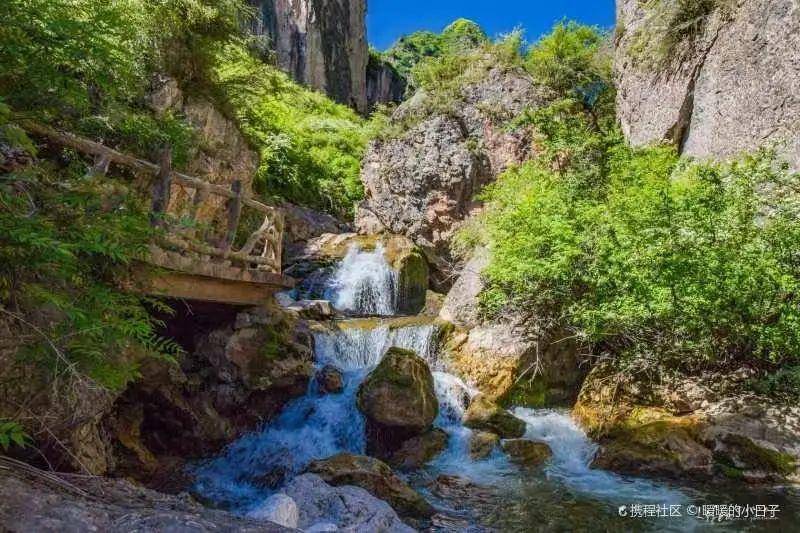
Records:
x=269, y=236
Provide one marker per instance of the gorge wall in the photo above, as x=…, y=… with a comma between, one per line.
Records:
x=321, y=43
x=729, y=86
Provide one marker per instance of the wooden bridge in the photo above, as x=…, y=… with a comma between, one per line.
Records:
x=189, y=267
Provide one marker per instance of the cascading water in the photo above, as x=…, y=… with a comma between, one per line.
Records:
x=364, y=284
x=319, y=426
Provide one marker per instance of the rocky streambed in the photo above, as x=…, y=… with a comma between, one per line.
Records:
x=389, y=436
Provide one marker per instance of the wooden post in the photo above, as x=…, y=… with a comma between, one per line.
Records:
x=234, y=213
x=161, y=188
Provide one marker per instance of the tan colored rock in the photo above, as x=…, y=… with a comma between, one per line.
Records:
x=482, y=444
x=527, y=452
x=376, y=478
x=483, y=414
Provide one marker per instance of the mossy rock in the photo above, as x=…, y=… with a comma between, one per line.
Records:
x=398, y=400
x=420, y=450
x=412, y=282
x=527, y=452
x=484, y=414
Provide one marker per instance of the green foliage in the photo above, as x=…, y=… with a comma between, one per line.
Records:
x=688, y=262
x=459, y=38
x=12, y=434
x=310, y=148
x=783, y=383
x=574, y=61
x=66, y=241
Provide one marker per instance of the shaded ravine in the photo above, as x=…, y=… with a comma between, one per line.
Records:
x=565, y=493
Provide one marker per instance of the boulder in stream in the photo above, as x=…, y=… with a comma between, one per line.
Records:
x=527, y=452
x=419, y=450
x=349, y=508
x=399, y=401
x=486, y=415
x=376, y=478
x=481, y=444
x=330, y=380
x=279, y=509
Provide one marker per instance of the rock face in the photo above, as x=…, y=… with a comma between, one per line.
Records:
x=233, y=377
x=423, y=184
x=731, y=89
x=116, y=506
x=376, y=478
x=684, y=428
x=303, y=224
x=348, y=508
x=223, y=157
x=398, y=401
x=384, y=84
x=504, y=358
x=321, y=43
x=485, y=415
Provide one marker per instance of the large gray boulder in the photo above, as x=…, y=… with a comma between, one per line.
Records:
x=351, y=509
x=423, y=184
x=731, y=88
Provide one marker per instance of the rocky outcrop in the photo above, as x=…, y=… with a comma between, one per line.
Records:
x=376, y=478
x=303, y=224
x=347, y=508
x=483, y=414
x=222, y=157
x=320, y=43
x=508, y=359
x=423, y=184
x=398, y=400
x=235, y=375
x=384, y=84
x=39, y=502
x=730, y=88
x=706, y=427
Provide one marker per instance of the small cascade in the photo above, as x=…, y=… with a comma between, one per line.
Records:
x=364, y=284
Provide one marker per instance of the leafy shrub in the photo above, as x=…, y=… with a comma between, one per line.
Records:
x=66, y=242
x=310, y=147
x=12, y=434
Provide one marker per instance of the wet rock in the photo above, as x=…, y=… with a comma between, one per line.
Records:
x=527, y=452
x=349, y=508
x=398, y=400
x=312, y=309
x=482, y=444
x=458, y=489
x=486, y=415
x=376, y=478
x=330, y=380
x=279, y=509
x=417, y=451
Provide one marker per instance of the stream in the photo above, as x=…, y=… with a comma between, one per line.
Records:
x=492, y=494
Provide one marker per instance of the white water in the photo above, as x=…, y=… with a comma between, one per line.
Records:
x=317, y=426
x=364, y=284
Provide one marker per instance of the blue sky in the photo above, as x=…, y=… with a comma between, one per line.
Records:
x=387, y=20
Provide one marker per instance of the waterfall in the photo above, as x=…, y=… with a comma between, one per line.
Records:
x=364, y=284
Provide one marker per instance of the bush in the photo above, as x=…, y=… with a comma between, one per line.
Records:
x=66, y=242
